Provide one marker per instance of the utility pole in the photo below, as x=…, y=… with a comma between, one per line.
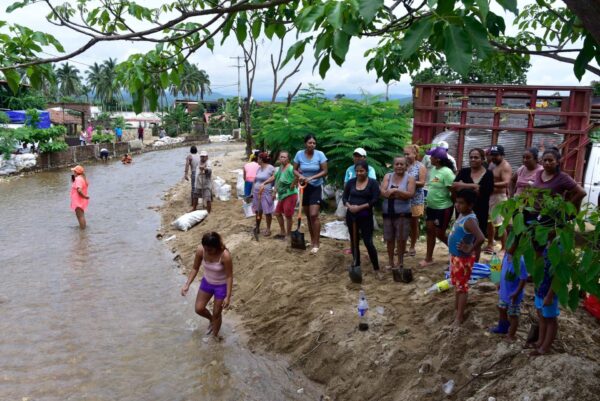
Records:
x=239, y=86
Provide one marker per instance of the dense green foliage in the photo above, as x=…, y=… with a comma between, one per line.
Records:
x=102, y=138
x=177, y=121
x=410, y=33
x=48, y=139
x=340, y=126
x=498, y=69
x=572, y=250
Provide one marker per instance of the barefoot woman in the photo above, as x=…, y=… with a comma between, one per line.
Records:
x=217, y=280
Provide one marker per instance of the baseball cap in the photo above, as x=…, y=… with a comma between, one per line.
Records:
x=443, y=144
x=78, y=169
x=360, y=151
x=203, y=153
x=438, y=153
x=497, y=150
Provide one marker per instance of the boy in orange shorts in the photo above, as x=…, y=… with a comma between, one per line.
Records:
x=464, y=238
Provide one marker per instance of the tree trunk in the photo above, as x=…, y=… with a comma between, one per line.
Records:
x=588, y=12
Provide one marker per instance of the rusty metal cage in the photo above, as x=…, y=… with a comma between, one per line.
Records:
x=514, y=116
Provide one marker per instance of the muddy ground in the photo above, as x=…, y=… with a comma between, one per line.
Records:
x=304, y=307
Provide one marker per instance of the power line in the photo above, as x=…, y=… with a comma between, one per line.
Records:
x=239, y=67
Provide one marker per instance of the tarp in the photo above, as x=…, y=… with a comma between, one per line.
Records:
x=18, y=117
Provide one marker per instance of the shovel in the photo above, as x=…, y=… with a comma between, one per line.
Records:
x=297, y=236
x=354, y=270
x=256, y=230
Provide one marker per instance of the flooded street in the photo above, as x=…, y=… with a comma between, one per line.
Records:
x=97, y=314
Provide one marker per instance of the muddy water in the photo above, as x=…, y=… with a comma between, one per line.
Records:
x=96, y=314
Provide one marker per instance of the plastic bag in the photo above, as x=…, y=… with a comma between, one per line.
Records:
x=224, y=193
x=328, y=191
x=340, y=212
x=336, y=230
x=239, y=185
x=247, y=208
x=189, y=220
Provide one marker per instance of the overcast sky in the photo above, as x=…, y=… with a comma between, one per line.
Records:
x=350, y=78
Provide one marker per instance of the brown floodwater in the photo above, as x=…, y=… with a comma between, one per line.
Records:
x=97, y=314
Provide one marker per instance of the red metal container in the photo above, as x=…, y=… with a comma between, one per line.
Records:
x=514, y=116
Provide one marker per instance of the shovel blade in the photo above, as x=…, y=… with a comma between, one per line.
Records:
x=298, y=240
x=355, y=274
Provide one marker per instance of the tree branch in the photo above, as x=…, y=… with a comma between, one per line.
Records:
x=242, y=6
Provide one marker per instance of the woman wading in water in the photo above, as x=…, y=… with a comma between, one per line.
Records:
x=79, y=194
x=217, y=280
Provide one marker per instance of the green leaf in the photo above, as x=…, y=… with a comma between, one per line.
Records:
x=479, y=37
x=270, y=30
x=164, y=79
x=334, y=17
x=415, y=35
x=324, y=66
x=445, y=7
x=510, y=5
x=309, y=16
x=368, y=8
x=484, y=8
x=574, y=298
x=295, y=51
x=16, y=5
x=586, y=55
x=495, y=24
x=13, y=79
x=457, y=48
x=241, y=30
x=341, y=42
x=256, y=25
x=280, y=30
x=519, y=224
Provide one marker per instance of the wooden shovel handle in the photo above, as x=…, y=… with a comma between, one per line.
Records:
x=301, y=188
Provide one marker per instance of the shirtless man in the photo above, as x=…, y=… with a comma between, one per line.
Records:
x=502, y=176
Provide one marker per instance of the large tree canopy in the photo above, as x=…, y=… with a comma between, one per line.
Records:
x=411, y=32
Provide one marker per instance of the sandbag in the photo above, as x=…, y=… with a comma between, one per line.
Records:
x=189, y=220
x=340, y=211
x=239, y=185
x=247, y=208
x=336, y=230
x=328, y=191
x=224, y=193
x=26, y=160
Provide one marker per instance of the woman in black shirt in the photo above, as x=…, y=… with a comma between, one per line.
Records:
x=481, y=180
x=360, y=195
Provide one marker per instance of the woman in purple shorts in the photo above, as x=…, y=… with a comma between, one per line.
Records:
x=217, y=280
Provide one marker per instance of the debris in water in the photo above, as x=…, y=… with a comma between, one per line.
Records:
x=448, y=387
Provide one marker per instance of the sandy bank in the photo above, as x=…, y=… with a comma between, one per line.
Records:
x=304, y=306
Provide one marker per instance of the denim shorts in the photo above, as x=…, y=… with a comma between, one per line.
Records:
x=547, y=311
x=218, y=290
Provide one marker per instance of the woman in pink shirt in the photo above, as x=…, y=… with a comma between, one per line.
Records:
x=525, y=175
x=250, y=170
x=217, y=280
x=79, y=194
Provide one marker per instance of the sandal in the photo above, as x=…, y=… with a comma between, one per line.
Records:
x=412, y=252
x=424, y=263
x=314, y=250
x=489, y=250
x=267, y=233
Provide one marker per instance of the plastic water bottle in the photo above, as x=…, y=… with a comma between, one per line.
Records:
x=363, y=308
x=495, y=268
x=440, y=286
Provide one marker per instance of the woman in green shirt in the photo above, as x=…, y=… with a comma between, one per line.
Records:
x=439, y=202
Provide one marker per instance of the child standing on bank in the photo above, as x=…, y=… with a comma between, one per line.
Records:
x=510, y=295
x=464, y=238
x=546, y=303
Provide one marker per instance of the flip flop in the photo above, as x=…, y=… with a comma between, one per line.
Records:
x=314, y=250
x=489, y=250
x=412, y=253
x=425, y=264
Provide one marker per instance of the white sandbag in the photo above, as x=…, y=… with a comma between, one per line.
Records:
x=340, y=212
x=189, y=220
x=240, y=184
x=247, y=208
x=336, y=230
x=26, y=160
x=338, y=195
x=328, y=191
x=224, y=193
x=216, y=184
x=8, y=166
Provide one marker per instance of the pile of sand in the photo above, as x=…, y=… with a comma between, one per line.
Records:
x=304, y=306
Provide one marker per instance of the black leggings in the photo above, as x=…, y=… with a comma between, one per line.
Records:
x=364, y=229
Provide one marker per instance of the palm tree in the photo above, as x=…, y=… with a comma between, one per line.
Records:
x=68, y=79
x=94, y=78
x=194, y=82
x=110, y=90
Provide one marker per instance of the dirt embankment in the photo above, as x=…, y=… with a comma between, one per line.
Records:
x=304, y=306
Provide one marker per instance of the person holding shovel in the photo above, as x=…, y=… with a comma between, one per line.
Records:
x=360, y=195
x=262, y=200
x=310, y=166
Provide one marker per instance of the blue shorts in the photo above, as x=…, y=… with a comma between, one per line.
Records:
x=248, y=188
x=511, y=309
x=218, y=290
x=547, y=311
